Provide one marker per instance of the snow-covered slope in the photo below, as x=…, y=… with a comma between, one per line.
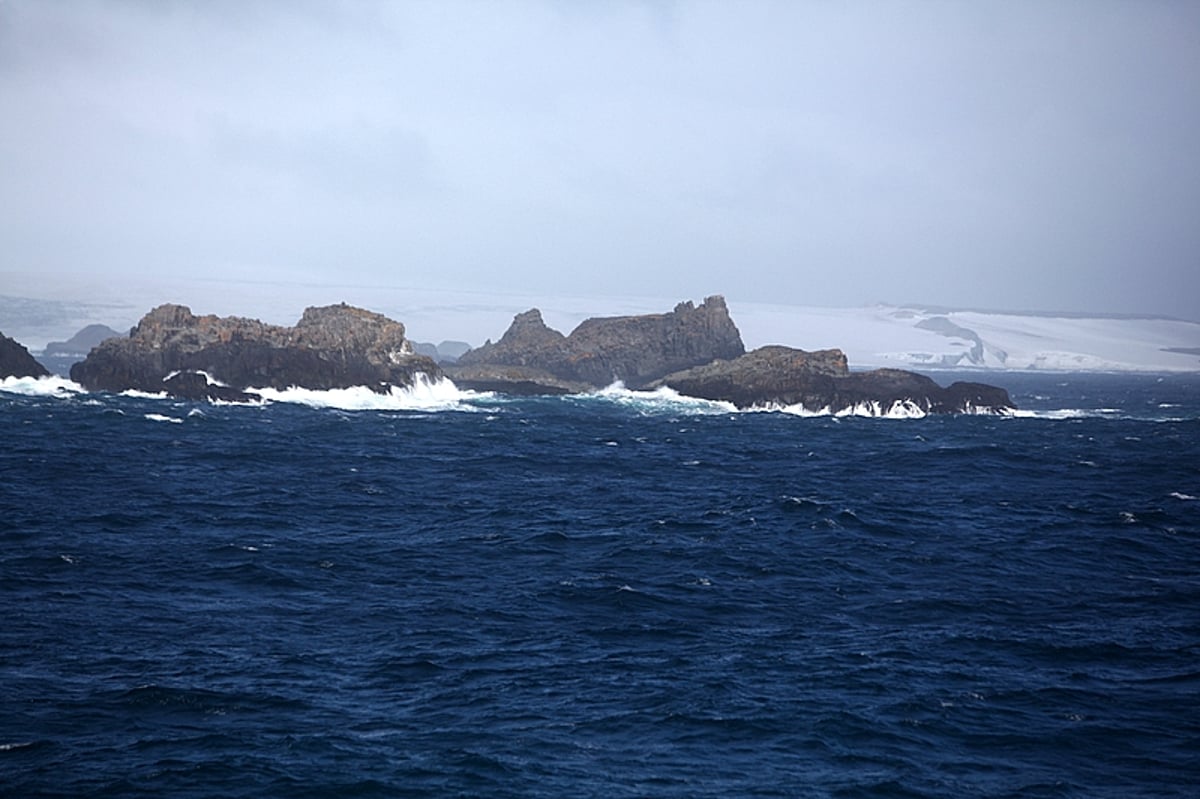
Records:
x=924, y=338
x=912, y=337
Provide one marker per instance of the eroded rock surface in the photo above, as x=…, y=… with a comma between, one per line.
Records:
x=822, y=382
x=336, y=346
x=635, y=350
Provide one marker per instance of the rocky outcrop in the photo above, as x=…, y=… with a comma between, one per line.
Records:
x=820, y=382
x=698, y=352
x=635, y=350
x=336, y=346
x=15, y=360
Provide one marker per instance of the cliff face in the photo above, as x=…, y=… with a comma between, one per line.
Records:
x=821, y=381
x=633, y=349
x=15, y=360
x=336, y=346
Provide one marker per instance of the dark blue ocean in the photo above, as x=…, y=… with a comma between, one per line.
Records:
x=617, y=595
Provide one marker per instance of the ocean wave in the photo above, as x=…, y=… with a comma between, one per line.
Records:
x=900, y=409
x=1114, y=414
x=422, y=395
x=670, y=401
x=660, y=400
x=52, y=386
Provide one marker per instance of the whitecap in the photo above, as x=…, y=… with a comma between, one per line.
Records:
x=209, y=379
x=1181, y=496
x=1061, y=413
x=158, y=417
x=900, y=409
x=660, y=400
x=423, y=395
x=52, y=386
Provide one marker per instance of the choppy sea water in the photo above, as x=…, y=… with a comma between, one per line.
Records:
x=618, y=595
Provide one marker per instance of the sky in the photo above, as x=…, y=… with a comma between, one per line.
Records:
x=1008, y=155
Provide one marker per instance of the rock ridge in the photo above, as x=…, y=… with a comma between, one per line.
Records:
x=635, y=350
x=334, y=346
x=698, y=352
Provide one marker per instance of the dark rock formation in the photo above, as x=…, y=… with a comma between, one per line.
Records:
x=821, y=382
x=698, y=352
x=336, y=346
x=778, y=375
x=633, y=349
x=15, y=360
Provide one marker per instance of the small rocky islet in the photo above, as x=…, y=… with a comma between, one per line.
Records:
x=695, y=350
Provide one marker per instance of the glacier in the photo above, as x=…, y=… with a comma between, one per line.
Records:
x=928, y=338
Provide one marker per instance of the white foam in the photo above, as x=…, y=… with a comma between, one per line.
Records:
x=423, y=395
x=1087, y=413
x=1181, y=496
x=158, y=417
x=209, y=379
x=660, y=400
x=52, y=386
x=900, y=409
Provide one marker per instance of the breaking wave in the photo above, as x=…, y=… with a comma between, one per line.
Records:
x=52, y=386
x=660, y=400
x=900, y=409
x=667, y=400
x=1075, y=414
x=422, y=395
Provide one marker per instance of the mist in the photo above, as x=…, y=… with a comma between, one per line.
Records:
x=1021, y=156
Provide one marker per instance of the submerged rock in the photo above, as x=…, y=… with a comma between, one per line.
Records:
x=15, y=360
x=336, y=346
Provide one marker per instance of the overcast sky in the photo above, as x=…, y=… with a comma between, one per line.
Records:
x=1008, y=155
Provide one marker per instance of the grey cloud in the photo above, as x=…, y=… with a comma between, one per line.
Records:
x=1024, y=155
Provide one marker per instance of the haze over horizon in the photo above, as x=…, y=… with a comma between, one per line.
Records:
x=1023, y=156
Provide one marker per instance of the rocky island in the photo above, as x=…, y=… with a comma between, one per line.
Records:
x=15, y=360
x=694, y=350
x=698, y=351
x=211, y=357
x=532, y=358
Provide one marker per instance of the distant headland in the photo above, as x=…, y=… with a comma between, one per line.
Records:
x=695, y=350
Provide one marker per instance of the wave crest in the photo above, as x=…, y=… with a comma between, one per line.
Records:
x=660, y=400
x=423, y=395
x=52, y=386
